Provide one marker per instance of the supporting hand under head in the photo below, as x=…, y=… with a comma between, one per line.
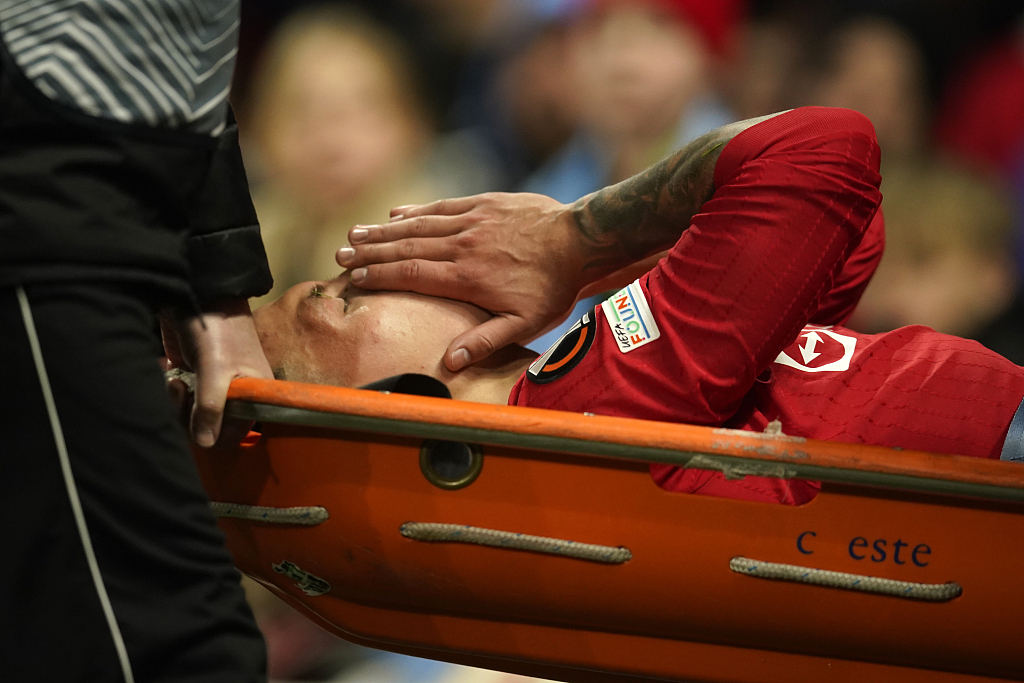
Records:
x=219, y=346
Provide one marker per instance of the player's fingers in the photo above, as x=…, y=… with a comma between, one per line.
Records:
x=397, y=213
x=208, y=410
x=483, y=340
x=407, y=228
x=425, y=277
x=432, y=249
x=441, y=207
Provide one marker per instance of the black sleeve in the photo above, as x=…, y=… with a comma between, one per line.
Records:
x=224, y=249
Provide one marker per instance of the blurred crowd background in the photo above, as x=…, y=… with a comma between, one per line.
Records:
x=347, y=109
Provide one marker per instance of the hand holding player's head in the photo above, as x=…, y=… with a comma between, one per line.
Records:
x=518, y=255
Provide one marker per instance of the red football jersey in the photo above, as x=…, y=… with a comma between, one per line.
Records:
x=720, y=332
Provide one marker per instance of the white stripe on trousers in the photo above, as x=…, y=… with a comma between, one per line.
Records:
x=69, y=483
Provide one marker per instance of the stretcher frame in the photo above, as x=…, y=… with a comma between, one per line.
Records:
x=680, y=607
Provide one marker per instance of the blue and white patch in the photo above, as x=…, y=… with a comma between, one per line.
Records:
x=630, y=318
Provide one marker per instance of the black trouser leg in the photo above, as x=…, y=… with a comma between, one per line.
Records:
x=173, y=593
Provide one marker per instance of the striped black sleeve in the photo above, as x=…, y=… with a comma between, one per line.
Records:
x=162, y=63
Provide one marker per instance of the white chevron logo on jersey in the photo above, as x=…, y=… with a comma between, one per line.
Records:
x=819, y=349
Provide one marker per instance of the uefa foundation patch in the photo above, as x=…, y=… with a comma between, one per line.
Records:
x=564, y=354
x=630, y=318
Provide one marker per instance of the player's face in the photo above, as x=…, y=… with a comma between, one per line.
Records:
x=335, y=333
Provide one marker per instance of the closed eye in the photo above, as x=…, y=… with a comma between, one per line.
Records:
x=318, y=291
x=344, y=296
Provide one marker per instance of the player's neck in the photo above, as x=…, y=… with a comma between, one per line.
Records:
x=491, y=380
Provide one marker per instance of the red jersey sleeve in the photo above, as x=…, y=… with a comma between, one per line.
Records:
x=794, y=197
x=838, y=305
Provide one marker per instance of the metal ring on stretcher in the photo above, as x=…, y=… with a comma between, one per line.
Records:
x=444, y=472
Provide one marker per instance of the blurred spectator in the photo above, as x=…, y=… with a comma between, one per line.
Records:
x=643, y=70
x=762, y=80
x=982, y=114
x=510, y=102
x=534, y=105
x=336, y=136
x=644, y=73
x=947, y=264
x=871, y=65
x=981, y=118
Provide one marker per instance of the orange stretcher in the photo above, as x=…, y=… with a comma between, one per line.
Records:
x=535, y=542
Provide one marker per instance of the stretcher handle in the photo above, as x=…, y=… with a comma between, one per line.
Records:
x=928, y=592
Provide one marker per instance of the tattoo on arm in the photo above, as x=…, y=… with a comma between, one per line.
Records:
x=646, y=213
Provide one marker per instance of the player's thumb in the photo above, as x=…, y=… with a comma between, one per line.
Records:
x=483, y=340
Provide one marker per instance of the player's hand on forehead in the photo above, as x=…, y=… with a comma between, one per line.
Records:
x=511, y=254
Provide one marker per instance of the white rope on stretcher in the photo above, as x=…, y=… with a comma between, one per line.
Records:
x=456, y=533
x=309, y=515
x=935, y=592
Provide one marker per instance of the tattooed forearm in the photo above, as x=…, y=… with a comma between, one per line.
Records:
x=648, y=212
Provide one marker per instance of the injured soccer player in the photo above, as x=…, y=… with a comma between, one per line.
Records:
x=772, y=231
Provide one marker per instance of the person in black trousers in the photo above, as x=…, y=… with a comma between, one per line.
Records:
x=122, y=194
